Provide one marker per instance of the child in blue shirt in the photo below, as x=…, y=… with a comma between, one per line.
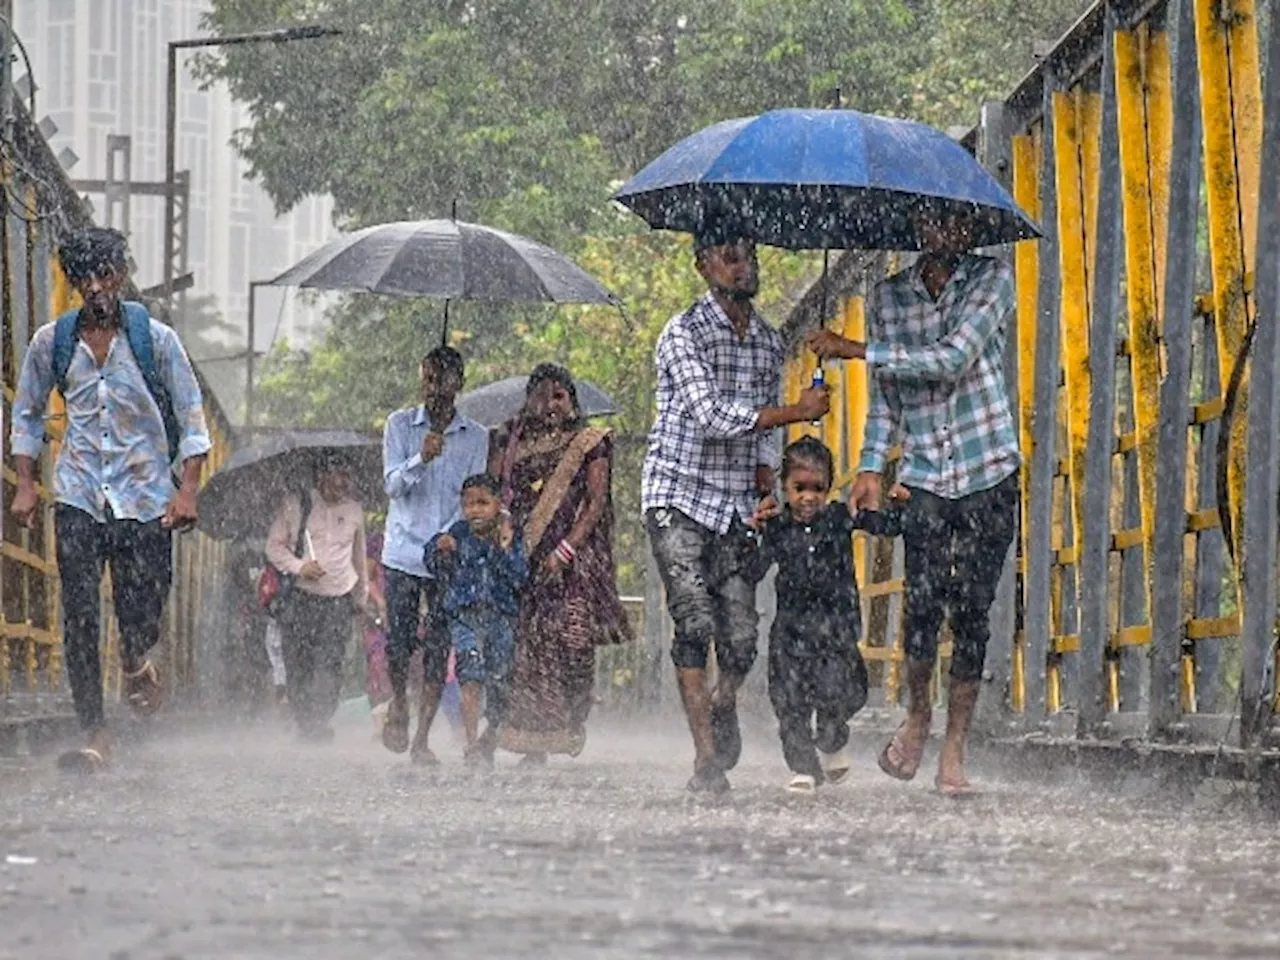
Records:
x=480, y=561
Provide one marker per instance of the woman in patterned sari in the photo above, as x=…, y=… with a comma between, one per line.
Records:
x=556, y=472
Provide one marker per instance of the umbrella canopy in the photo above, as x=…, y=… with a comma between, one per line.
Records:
x=496, y=403
x=818, y=179
x=241, y=499
x=445, y=259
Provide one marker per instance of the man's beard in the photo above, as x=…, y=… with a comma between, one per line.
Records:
x=736, y=294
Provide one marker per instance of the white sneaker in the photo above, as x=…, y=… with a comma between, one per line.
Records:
x=803, y=785
x=835, y=765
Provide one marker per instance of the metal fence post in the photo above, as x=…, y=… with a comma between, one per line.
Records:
x=1167, y=616
x=1262, y=477
x=1095, y=522
x=1037, y=624
x=996, y=154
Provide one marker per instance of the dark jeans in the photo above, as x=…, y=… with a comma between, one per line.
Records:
x=817, y=682
x=140, y=556
x=404, y=593
x=711, y=593
x=954, y=553
x=314, y=633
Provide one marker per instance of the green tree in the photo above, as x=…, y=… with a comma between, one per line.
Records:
x=528, y=114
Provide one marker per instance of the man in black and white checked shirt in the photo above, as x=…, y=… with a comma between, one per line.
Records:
x=710, y=461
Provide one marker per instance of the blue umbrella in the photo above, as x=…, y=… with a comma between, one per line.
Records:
x=819, y=179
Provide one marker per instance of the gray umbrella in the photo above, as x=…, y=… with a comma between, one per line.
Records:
x=496, y=403
x=241, y=499
x=445, y=259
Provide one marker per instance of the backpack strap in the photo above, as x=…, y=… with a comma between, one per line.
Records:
x=137, y=330
x=66, y=333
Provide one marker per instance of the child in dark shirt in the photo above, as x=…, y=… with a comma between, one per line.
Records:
x=815, y=670
x=480, y=560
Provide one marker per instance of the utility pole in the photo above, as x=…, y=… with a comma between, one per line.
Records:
x=284, y=35
x=6, y=71
x=250, y=346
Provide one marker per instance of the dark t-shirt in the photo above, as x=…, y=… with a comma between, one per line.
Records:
x=815, y=561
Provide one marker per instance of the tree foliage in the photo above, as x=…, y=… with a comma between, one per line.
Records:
x=528, y=115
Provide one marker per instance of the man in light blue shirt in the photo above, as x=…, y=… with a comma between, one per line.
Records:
x=427, y=453
x=116, y=502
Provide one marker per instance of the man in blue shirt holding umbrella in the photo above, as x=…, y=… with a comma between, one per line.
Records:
x=428, y=452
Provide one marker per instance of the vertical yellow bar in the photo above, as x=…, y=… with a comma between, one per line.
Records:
x=1159, y=91
x=1232, y=137
x=1140, y=273
x=1089, y=111
x=856, y=382
x=1027, y=154
x=856, y=399
x=1074, y=310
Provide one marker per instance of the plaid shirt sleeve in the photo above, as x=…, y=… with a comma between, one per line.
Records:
x=881, y=415
x=981, y=312
x=694, y=382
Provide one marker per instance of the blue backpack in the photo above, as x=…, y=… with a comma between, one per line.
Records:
x=137, y=330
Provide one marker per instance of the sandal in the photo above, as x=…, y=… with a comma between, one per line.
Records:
x=84, y=761
x=899, y=759
x=143, y=689
x=395, y=728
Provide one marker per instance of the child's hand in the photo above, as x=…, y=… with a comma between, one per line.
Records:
x=506, y=532
x=446, y=544
x=767, y=509
x=899, y=494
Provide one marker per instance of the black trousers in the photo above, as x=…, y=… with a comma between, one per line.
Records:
x=817, y=682
x=314, y=632
x=140, y=556
x=404, y=593
x=954, y=551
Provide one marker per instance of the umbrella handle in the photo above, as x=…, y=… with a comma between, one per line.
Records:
x=444, y=333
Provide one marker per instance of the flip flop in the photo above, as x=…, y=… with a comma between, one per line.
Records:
x=143, y=689
x=899, y=760
x=83, y=761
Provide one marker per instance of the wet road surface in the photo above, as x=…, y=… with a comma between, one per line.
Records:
x=239, y=844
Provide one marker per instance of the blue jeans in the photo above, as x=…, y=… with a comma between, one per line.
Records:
x=484, y=647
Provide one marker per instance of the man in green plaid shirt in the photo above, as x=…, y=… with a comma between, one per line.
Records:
x=935, y=349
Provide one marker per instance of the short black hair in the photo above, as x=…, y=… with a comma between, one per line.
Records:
x=93, y=251
x=447, y=359
x=483, y=481
x=809, y=452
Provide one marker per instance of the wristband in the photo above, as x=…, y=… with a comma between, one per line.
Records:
x=565, y=551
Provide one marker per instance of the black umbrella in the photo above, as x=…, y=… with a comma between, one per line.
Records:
x=446, y=259
x=242, y=498
x=496, y=403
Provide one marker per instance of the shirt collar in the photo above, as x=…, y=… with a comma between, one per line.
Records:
x=459, y=422
x=959, y=275
x=712, y=306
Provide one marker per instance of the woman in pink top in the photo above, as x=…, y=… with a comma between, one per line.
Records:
x=330, y=588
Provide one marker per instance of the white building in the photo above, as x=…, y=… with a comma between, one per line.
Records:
x=99, y=67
